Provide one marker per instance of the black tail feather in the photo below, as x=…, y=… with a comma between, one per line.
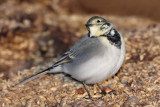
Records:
x=32, y=77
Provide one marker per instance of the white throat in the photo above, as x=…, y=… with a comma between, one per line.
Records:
x=93, y=31
x=96, y=31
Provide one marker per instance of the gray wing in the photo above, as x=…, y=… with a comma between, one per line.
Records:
x=85, y=49
x=69, y=55
x=83, y=52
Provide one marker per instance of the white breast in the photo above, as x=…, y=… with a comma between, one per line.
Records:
x=110, y=65
x=105, y=67
x=99, y=67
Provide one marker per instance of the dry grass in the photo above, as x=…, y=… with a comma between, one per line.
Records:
x=35, y=35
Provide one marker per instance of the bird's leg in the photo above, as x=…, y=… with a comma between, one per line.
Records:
x=102, y=91
x=85, y=87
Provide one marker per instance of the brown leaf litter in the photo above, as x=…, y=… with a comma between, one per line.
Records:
x=35, y=37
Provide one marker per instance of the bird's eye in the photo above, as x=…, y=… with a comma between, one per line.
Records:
x=98, y=21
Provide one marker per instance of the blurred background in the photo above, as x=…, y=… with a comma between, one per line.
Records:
x=35, y=32
x=142, y=8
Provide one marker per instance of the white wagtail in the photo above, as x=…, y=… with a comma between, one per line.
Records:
x=95, y=57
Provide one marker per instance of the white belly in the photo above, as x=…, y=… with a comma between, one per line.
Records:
x=109, y=67
x=98, y=68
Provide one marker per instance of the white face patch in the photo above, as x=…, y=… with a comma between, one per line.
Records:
x=112, y=32
x=93, y=31
x=105, y=26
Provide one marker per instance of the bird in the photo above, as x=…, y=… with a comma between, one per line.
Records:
x=97, y=56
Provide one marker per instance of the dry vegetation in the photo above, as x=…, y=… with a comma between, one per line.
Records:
x=36, y=34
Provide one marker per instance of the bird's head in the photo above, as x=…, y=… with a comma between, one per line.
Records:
x=98, y=26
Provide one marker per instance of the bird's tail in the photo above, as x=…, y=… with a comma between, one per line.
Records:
x=29, y=78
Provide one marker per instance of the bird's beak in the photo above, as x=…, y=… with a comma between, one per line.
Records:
x=88, y=25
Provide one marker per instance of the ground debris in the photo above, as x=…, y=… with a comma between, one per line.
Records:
x=37, y=35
